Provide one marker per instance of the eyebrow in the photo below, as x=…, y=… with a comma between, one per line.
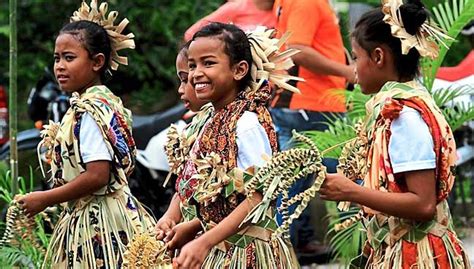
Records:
x=207, y=56
x=64, y=52
x=203, y=57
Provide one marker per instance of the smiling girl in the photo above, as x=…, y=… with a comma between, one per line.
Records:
x=92, y=152
x=233, y=140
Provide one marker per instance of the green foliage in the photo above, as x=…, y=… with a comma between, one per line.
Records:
x=4, y=30
x=456, y=114
x=340, y=130
x=159, y=27
x=149, y=81
x=451, y=16
x=346, y=244
x=25, y=254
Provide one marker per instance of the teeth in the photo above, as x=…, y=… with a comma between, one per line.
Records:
x=199, y=86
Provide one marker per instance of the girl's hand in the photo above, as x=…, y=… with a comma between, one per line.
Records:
x=163, y=227
x=337, y=187
x=181, y=234
x=33, y=203
x=193, y=254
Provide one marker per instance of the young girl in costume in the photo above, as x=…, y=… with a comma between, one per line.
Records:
x=92, y=151
x=177, y=212
x=409, y=147
x=224, y=70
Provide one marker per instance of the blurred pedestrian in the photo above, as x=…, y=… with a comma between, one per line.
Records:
x=314, y=30
x=246, y=14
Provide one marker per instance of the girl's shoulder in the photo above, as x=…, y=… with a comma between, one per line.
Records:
x=248, y=121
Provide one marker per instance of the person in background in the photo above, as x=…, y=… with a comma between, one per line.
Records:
x=246, y=14
x=175, y=222
x=314, y=30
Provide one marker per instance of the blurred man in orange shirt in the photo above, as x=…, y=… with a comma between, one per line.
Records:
x=322, y=63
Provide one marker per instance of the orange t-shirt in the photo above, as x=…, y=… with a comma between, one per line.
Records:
x=313, y=23
x=243, y=14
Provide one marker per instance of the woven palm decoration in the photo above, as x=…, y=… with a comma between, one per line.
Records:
x=119, y=41
x=146, y=252
x=20, y=227
x=277, y=177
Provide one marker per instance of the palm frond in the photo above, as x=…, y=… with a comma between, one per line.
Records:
x=355, y=102
x=444, y=97
x=346, y=244
x=24, y=253
x=458, y=115
x=451, y=17
x=14, y=257
x=340, y=131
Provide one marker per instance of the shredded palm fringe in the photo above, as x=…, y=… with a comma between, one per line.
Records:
x=279, y=174
x=20, y=228
x=177, y=149
x=348, y=222
x=145, y=251
x=49, y=136
x=212, y=177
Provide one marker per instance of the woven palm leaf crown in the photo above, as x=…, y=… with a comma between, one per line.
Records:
x=269, y=63
x=119, y=41
x=424, y=40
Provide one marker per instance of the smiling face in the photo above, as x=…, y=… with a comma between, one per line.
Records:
x=186, y=90
x=210, y=71
x=74, y=69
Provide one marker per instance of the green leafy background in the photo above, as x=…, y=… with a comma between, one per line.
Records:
x=147, y=85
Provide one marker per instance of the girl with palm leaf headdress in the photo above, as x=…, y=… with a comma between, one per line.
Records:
x=92, y=151
x=232, y=70
x=408, y=147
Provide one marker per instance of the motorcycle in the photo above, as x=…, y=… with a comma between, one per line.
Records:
x=151, y=169
x=47, y=102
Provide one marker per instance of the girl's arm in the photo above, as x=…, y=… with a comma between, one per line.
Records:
x=317, y=63
x=193, y=254
x=418, y=203
x=225, y=14
x=96, y=176
x=230, y=224
x=169, y=219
